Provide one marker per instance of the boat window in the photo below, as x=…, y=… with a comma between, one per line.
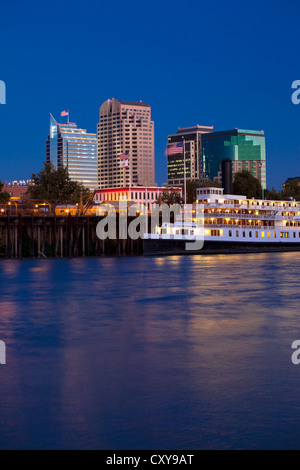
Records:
x=230, y=233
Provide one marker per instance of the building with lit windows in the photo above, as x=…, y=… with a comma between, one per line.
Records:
x=246, y=149
x=125, y=128
x=138, y=194
x=185, y=147
x=75, y=149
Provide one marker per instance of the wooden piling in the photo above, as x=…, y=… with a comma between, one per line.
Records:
x=8, y=238
x=20, y=236
x=32, y=237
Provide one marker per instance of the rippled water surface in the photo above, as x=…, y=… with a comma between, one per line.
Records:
x=189, y=352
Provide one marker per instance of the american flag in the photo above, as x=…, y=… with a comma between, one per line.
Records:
x=124, y=156
x=175, y=149
x=64, y=113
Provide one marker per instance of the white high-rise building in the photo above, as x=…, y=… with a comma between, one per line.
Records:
x=125, y=126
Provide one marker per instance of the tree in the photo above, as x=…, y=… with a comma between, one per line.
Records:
x=169, y=196
x=292, y=189
x=273, y=195
x=55, y=186
x=4, y=195
x=191, y=187
x=210, y=184
x=247, y=185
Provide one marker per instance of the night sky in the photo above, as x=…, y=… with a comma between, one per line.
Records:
x=226, y=64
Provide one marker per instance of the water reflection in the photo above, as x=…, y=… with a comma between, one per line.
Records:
x=171, y=352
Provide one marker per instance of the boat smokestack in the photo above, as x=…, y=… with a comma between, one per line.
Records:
x=227, y=175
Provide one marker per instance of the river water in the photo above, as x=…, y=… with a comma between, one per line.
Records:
x=190, y=352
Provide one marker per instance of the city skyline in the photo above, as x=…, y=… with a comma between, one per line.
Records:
x=255, y=92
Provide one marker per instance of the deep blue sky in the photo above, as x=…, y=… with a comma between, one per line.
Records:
x=227, y=64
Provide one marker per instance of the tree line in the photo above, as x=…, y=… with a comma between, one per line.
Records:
x=55, y=186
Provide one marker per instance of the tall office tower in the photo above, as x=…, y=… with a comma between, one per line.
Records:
x=74, y=149
x=185, y=147
x=246, y=149
x=125, y=128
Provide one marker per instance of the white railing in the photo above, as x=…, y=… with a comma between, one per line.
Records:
x=266, y=228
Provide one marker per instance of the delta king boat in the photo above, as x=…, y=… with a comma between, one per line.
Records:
x=229, y=223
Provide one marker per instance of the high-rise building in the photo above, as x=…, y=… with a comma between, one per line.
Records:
x=75, y=149
x=184, y=152
x=125, y=128
x=246, y=149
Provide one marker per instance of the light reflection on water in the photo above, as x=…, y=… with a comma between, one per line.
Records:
x=150, y=353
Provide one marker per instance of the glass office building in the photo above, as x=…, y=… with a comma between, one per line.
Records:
x=187, y=160
x=74, y=149
x=246, y=149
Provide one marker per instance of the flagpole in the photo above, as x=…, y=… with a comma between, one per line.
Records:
x=129, y=166
x=184, y=170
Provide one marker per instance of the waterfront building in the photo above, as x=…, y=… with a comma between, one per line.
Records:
x=125, y=130
x=17, y=189
x=246, y=149
x=138, y=194
x=75, y=149
x=184, y=154
x=289, y=180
